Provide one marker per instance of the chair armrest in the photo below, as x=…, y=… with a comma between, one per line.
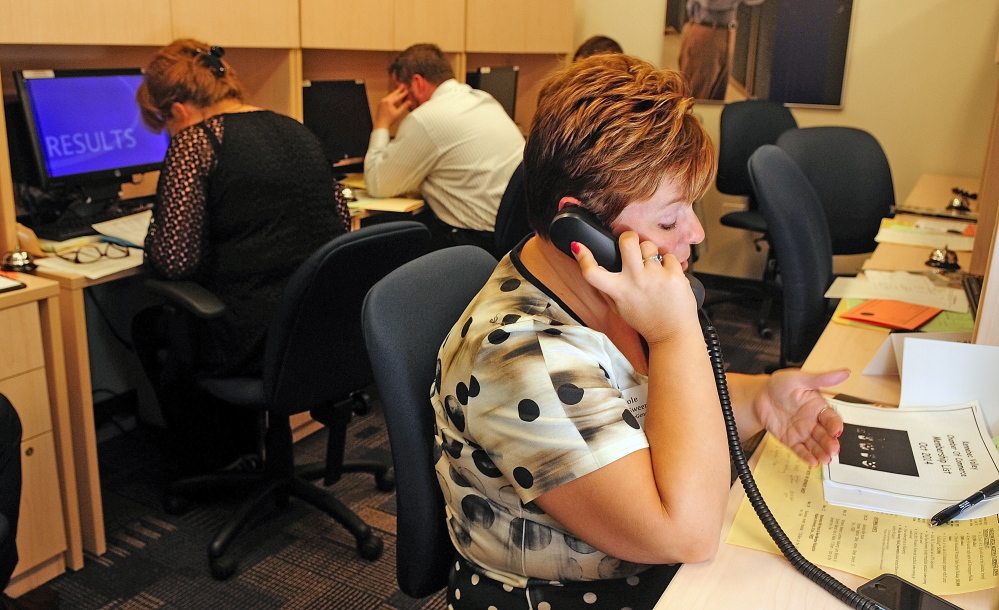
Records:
x=191, y=297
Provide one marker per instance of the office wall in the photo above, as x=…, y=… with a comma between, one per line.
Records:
x=637, y=25
x=921, y=76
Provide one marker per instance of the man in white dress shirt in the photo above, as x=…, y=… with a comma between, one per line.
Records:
x=454, y=144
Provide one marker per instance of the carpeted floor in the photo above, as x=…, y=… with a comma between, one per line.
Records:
x=299, y=558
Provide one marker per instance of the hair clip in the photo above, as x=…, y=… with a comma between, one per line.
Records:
x=212, y=59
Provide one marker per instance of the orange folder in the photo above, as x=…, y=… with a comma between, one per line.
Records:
x=892, y=314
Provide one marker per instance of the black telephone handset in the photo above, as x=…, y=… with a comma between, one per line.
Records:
x=575, y=223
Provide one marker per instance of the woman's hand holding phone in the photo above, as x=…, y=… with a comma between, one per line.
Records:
x=653, y=297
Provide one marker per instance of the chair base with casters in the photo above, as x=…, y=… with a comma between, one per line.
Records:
x=275, y=483
x=314, y=360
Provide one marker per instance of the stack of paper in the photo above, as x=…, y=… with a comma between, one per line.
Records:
x=914, y=462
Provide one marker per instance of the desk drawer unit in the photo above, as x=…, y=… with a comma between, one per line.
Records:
x=41, y=533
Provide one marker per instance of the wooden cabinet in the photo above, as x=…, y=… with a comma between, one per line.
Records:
x=123, y=22
x=383, y=25
x=238, y=23
x=43, y=535
x=348, y=24
x=519, y=26
x=441, y=22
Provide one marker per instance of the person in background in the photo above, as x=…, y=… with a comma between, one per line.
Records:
x=557, y=494
x=706, y=43
x=454, y=144
x=595, y=45
x=244, y=197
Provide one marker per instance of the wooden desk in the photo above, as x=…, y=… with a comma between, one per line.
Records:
x=935, y=191
x=32, y=376
x=73, y=321
x=738, y=577
x=76, y=364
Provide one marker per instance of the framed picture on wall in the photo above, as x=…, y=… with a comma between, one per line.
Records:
x=788, y=51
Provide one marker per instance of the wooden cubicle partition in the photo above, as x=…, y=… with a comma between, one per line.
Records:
x=987, y=320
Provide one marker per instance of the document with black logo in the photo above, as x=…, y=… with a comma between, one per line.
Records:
x=913, y=462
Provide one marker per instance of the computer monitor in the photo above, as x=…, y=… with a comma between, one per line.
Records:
x=337, y=112
x=85, y=129
x=500, y=82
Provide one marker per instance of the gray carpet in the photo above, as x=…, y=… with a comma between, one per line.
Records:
x=298, y=558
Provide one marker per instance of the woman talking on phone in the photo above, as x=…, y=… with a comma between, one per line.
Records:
x=558, y=495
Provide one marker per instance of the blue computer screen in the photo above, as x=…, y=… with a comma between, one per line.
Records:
x=86, y=124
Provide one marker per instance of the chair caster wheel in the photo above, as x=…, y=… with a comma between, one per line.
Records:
x=222, y=567
x=386, y=481
x=175, y=505
x=766, y=333
x=370, y=548
x=362, y=402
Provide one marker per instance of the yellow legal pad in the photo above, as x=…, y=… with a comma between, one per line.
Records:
x=959, y=557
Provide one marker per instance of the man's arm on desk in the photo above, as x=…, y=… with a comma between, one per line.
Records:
x=400, y=165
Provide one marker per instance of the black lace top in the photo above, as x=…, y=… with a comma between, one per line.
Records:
x=242, y=200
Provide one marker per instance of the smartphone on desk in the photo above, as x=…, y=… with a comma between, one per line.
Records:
x=575, y=223
x=895, y=593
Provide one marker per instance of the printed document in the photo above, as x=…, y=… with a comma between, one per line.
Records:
x=958, y=557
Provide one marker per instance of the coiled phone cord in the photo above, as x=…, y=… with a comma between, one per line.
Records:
x=810, y=570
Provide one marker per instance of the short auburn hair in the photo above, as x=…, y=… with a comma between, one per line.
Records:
x=608, y=130
x=186, y=70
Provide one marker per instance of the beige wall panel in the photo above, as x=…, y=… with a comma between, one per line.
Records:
x=519, y=26
x=30, y=396
x=237, y=23
x=348, y=24
x=85, y=22
x=441, y=22
x=267, y=76
x=40, y=531
x=20, y=326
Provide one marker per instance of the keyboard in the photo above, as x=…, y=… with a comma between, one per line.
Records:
x=973, y=288
x=68, y=227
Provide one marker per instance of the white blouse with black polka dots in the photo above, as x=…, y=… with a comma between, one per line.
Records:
x=527, y=398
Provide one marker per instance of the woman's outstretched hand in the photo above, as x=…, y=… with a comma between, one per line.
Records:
x=791, y=408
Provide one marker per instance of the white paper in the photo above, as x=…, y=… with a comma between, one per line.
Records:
x=939, y=373
x=899, y=286
x=941, y=225
x=131, y=228
x=939, y=241
x=888, y=359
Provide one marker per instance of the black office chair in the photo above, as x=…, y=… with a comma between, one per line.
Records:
x=850, y=173
x=511, y=217
x=314, y=360
x=799, y=236
x=433, y=289
x=744, y=127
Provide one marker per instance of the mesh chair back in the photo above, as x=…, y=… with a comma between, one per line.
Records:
x=406, y=317
x=799, y=236
x=315, y=351
x=850, y=172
